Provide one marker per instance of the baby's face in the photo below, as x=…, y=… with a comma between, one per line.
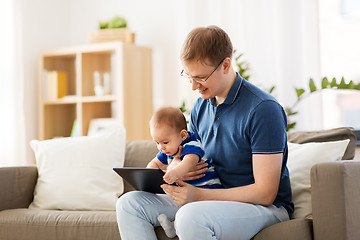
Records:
x=167, y=139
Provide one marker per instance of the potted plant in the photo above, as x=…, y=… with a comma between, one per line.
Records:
x=113, y=30
x=337, y=98
x=332, y=89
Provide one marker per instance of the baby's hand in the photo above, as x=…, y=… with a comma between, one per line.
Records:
x=170, y=176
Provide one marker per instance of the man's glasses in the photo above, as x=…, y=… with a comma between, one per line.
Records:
x=197, y=79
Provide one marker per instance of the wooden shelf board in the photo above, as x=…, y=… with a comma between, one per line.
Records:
x=60, y=102
x=105, y=98
x=85, y=99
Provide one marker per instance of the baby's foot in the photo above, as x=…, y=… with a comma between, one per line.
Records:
x=167, y=226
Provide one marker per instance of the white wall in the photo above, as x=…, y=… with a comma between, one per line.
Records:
x=280, y=39
x=161, y=25
x=155, y=24
x=340, y=39
x=44, y=25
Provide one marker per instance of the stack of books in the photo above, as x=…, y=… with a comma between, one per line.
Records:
x=55, y=85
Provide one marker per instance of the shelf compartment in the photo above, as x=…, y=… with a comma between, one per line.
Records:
x=92, y=62
x=130, y=70
x=93, y=110
x=58, y=120
x=64, y=63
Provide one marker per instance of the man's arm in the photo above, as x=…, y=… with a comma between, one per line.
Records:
x=267, y=171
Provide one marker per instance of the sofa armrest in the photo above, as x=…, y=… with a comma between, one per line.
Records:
x=17, y=186
x=335, y=194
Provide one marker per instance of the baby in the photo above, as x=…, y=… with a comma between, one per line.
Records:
x=168, y=128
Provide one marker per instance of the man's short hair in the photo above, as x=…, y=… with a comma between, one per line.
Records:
x=210, y=44
x=169, y=116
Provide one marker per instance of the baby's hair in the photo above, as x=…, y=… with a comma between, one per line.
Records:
x=169, y=116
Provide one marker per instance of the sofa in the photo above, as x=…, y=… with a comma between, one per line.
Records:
x=335, y=194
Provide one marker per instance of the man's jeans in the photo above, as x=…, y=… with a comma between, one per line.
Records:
x=137, y=214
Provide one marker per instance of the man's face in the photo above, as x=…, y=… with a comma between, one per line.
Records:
x=199, y=71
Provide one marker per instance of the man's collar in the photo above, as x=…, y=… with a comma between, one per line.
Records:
x=233, y=93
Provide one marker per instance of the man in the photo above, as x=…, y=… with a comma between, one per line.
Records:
x=243, y=132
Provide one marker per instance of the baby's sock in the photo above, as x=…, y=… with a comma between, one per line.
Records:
x=167, y=226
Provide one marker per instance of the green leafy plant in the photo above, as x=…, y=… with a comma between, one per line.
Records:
x=183, y=108
x=301, y=93
x=116, y=22
x=242, y=65
x=243, y=69
x=103, y=25
x=326, y=84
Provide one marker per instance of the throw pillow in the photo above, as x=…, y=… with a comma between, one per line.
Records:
x=301, y=158
x=327, y=135
x=76, y=173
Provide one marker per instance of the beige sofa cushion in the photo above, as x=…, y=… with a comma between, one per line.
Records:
x=295, y=229
x=139, y=153
x=327, y=136
x=34, y=224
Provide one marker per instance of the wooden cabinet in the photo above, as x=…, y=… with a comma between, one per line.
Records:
x=129, y=100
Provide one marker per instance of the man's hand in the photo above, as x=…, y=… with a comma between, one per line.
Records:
x=197, y=172
x=183, y=193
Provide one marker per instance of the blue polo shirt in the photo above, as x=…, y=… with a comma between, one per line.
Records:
x=248, y=122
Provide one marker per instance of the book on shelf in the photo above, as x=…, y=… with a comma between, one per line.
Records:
x=75, y=131
x=55, y=85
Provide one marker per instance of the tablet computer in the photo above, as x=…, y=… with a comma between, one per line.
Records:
x=143, y=179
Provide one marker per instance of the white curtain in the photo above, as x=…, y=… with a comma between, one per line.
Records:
x=279, y=39
x=12, y=130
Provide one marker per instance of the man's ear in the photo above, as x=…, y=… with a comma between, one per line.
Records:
x=227, y=64
x=183, y=134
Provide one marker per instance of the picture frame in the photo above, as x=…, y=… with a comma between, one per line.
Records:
x=99, y=125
